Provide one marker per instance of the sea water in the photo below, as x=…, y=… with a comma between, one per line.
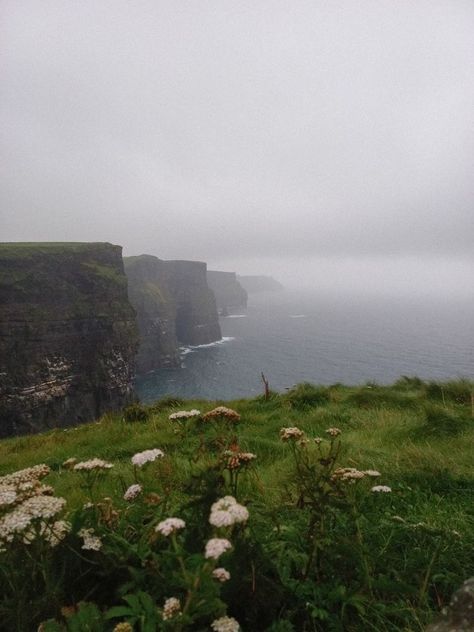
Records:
x=295, y=337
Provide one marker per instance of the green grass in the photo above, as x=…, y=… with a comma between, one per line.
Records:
x=419, y=435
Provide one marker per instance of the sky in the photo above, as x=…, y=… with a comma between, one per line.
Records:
x=327, y=142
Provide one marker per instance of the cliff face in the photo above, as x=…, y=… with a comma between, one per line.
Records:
x=254, y=284
x=230, y=295
x=156, y=312
x=174, y=305
x=68, y=335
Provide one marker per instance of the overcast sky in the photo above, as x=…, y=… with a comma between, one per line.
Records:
x=329, y=142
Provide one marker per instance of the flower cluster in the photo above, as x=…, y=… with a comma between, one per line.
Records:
x=169, y=526
x=28, y=507
x=291, y=433
x=147, y=456
x=225, y=624
x=347, y=474
x=92, y=464
x=184, y=414
x=215, y=547
x=91, y=542
x=333, y=432
x=221, y=574
x=222, y=412
x=235, y=460
x=28, y=475
x=132, y=492
x=171, y=608
x=68, y=464
x=381, y=488
x=227, y=512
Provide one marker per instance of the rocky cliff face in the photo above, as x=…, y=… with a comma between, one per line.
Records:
x=68, y=335
x=230, y=295
x=174, y=306
x=156, y=312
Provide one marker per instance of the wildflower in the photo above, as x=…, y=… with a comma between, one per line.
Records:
x=13, y=523
x=381, y=488
x=92, y=464
x=222, y=411
x=290, y=433
x=132, y=492
x=373, y=473
x=123, y=627
x=318, y=440
x=88, y=505
x=225, y=624
x=51, y=533
x=227, y=512
x=27, y=475
x=246, y=457
x=147, y=456
x=234, y=460
x=91, y=542
x=221, y=574
x=347, y=474
x=70, y=463
x=184, y=414
x=8, y=495
x=215, y=547
x=42, y=506
x=333, y=432
x=171, y=608
x=169, y=526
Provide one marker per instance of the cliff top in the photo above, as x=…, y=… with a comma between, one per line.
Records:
x=33, y=248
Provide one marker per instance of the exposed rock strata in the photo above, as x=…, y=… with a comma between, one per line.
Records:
x=68, y=335
x=230, y=295
x=174, y=306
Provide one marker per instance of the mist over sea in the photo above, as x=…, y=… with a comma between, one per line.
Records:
x=324, y=338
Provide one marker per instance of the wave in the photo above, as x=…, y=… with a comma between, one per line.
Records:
x=236, y=316
x=192, y=348
x=297, y=315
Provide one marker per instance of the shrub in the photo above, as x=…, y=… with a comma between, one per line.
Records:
x=136, y=412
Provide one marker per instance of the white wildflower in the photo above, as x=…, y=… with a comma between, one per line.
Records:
x=221, y=574
x=381, y=488
x=290, y=433
x=225, y=624
x=169, y=526
x=184, y=414
x=13, y=523
x=51, y=533
x=8, y=495
x=215, y=547
x=347, y=474
x=132, y=492
x=171, y=608
x=27, y=475
x=92, y=464
x=147, y=456
x=227, y=511
x=42, y=506
x=333, y=432
x=91, y=542
x=70, y=463
x=372, y=473
x=222, y=412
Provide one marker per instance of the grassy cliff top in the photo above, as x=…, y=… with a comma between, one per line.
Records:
x=28, y=249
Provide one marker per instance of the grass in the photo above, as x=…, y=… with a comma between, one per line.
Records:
x=419, y=435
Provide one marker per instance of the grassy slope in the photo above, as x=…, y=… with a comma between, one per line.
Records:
x=389, y=434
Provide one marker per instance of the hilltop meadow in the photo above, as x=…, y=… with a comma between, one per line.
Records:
x=324, y=508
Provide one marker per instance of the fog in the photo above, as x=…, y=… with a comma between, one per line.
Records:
x=327, y=143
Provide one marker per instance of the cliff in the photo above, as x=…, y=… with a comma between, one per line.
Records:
x=68, y=335
x=174, y=306
x=230, y=295
x=156, y=312
x=253, y=284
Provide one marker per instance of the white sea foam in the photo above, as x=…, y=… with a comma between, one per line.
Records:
x=236, y=316
x=297, y=315
x=192, y=348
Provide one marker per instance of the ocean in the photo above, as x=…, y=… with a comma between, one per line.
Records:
x=297, y=337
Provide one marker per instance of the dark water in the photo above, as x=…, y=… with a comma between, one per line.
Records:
x=296, y=337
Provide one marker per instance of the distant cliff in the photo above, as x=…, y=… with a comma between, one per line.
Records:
x=68, y=335
x=230, y=295
x=255, y=284
x=174, y=306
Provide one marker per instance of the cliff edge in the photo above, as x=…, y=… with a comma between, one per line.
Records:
x=68, y=334
x=229, y=293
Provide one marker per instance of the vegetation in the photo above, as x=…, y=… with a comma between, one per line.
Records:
x=346, y=509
